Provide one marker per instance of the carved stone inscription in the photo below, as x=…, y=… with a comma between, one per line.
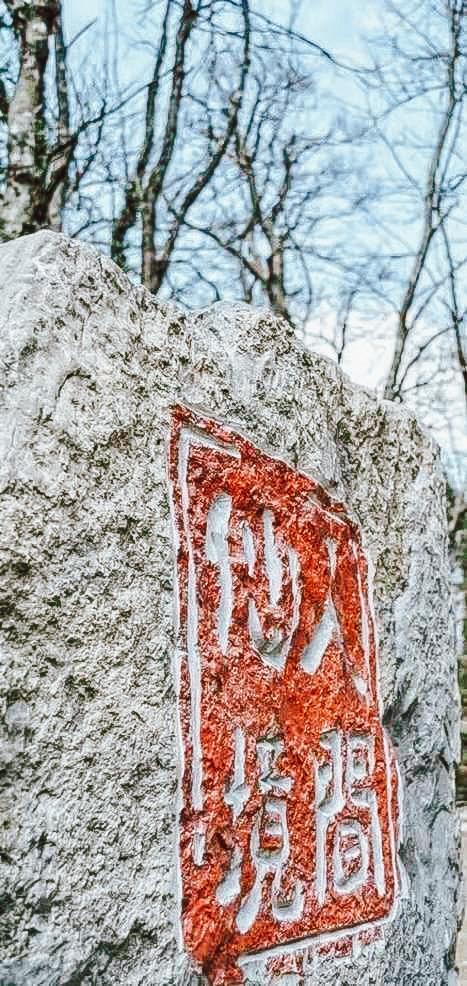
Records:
x=289, y=791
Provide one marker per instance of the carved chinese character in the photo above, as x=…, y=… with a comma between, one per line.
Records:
x=289, y=791
x=348, y=831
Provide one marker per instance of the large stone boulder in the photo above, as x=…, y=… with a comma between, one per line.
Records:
x=215, y=773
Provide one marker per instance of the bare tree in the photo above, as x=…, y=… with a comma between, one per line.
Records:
x=44, y=117
x=420, y=76
x=155, y=196
x=440, y=194
x=23, y=206
x=281, y=189
x=258, y=232
x=134, y=169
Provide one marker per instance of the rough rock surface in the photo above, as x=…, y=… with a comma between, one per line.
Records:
x=91, y=367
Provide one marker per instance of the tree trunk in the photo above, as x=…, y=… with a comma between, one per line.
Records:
x=23, y=207
x=63, y=150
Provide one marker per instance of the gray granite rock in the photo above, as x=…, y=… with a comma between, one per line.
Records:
x=91, y=366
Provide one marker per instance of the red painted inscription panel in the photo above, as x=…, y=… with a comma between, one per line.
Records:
x=288, y=823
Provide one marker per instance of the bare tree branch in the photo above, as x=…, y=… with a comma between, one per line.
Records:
x=433, y=203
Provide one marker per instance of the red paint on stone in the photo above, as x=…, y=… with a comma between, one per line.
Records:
x=288, y=825
x=285, y=964
x=370, y=935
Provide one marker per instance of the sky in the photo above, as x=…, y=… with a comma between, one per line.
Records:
x=341, y=34
x=319, y=20
x=337, y=25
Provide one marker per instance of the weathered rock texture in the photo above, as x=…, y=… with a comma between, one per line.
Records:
x=91, y=367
